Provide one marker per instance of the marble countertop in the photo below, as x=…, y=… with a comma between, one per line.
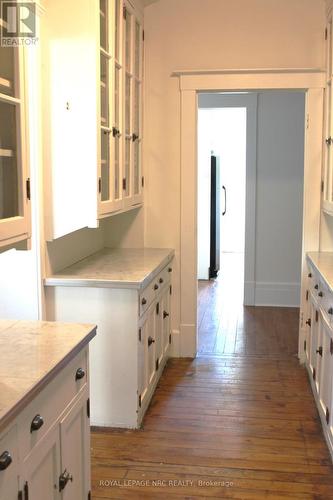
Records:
x=323, y=263
x=31, y=354
x=114, y=268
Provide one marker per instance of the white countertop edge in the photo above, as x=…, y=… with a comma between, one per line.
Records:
x=320, y=271
x=105, y=283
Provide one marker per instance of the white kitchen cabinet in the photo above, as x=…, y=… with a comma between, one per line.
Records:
x=49, y=441
x=15, y=224
x=327, y=176
x=92, y=112
x=319, y=346
x=134, y=337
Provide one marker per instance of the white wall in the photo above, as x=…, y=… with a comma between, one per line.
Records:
x=279, y=200
x=192, y=34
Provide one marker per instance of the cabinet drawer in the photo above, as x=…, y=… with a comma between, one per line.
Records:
x=9, y=464
x=49, y=404
x=148, y=295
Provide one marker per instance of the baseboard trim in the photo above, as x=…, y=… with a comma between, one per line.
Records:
x=277, y=294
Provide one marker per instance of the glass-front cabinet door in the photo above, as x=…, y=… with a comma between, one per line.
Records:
x=14, y=177
x=327, y=178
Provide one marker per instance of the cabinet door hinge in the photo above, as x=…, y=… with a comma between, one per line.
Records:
x=307, y=121
x=170, y=338
x=140, y=402
x=158, y=308
x=331, y=347
x=170, y=289
x=143, y=181
x=326, y=33
x=317, y=316
x=304, y=345
x=140, y=335
x=322, y=186
x=26, y=491
x=124, y=184
x=314, y=374
x=100, y=184
x=327, y=416
x=20, y=495
x=88, y=407
x=124, y=12
x=157, y=364
x=143, y=35
x=28, y=188
x=89, y=495
x=307, y=295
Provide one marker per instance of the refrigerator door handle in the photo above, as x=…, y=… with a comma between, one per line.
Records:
x=225, y=200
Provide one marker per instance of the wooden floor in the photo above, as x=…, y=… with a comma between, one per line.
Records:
x=235, y=426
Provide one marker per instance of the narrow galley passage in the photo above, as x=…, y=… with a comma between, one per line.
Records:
x=242, y=427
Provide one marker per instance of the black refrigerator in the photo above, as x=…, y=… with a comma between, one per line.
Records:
x=215, y=211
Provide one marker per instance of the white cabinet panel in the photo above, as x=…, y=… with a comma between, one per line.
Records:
x=9, y=470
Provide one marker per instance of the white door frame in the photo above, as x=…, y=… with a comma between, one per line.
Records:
x=193, y=82
x=250, y=102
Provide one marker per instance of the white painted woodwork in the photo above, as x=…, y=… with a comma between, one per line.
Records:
x=15, y=229
x=122, y=366
x=80, y=181
x=318, y=346
x=63, y=441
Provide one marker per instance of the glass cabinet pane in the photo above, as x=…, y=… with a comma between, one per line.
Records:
x=103, y=12
x=128, y=105
x=128, y=41
x=137, y=50
x=104, y=90
x=127, y=165
x=329, y=54
x=136, y=167
x=116, y=97
x=117, y=31
x=9, y=179
x=137, y=108
x=7, y=71
x=116, y=169
x=105, y=166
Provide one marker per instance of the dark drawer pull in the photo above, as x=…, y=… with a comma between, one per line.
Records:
x=63, y=479
x=319, y=351
x=330, y=311
x=165, y=314
x=310, y=275
x=170, y=270
x=320, y=294
x=150, y=341
x=143, y=301
x=36, y=423
x=5, y=460
x=156, y=287
x=316, y=287
x=80, y=373
x=161, y=280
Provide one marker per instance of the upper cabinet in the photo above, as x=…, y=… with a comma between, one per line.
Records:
x=327, y=184
x=92, y=80
x=14, y=172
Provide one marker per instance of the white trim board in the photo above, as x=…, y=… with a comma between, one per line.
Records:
x=190, y=85
x=277, y=294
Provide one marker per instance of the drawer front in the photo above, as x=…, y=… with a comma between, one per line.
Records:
x=146, y=297
x=9, y=468
x=152, y=291
x=46, y=408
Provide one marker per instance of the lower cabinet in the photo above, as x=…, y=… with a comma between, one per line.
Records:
x=129, y=353
x=49, y=458
x=318, y=348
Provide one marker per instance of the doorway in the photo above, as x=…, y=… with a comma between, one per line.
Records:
x=274, y=227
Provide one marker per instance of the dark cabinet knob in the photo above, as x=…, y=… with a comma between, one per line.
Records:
x=150, y=341
x=319, y=351
x=80, y=373
x=308, y=322
x=329, y=141
x=134, y=137
x=63, y=479
x=143, y=301
x=5, y=460
x=310, y=275
x=170, y=270
x=330, y=311
x=156, y=287
x=115, y=132
x=320, y=294
x=36, y=423
x=161, y=280
x=316, y=287
x=165, y=314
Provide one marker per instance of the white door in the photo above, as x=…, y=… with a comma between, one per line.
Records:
x=41, y=469
x=75, y=451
